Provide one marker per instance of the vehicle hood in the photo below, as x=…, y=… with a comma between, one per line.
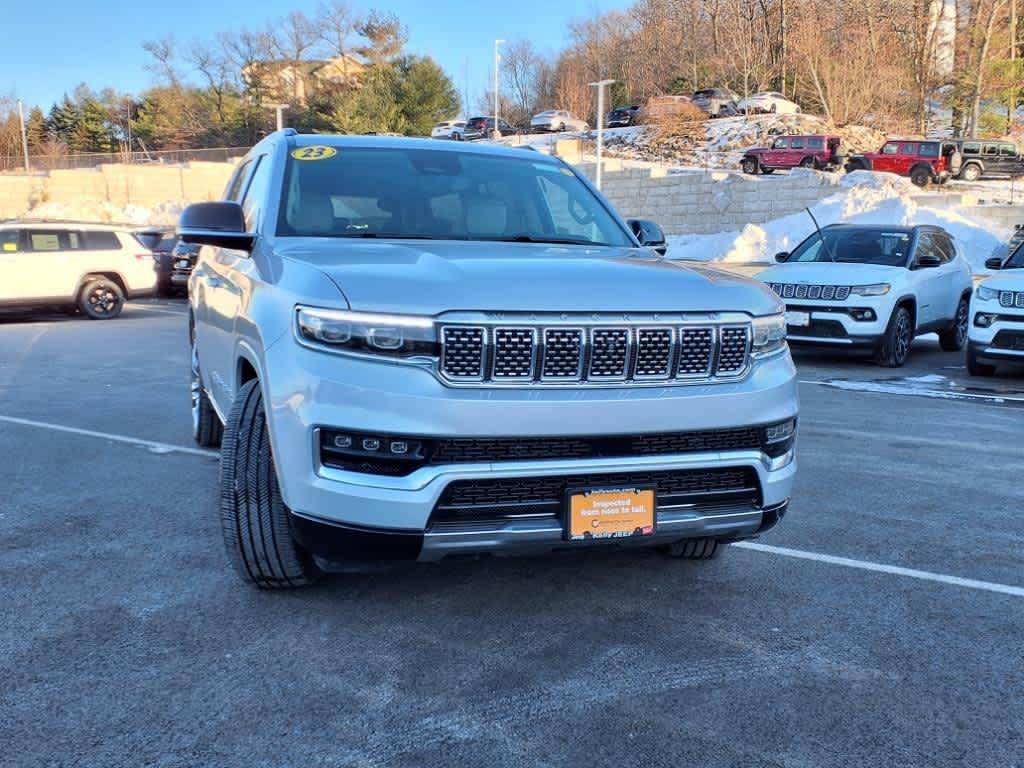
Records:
x=1009, y=280
x=756, y=150
x=827, y=273
x=431, y=277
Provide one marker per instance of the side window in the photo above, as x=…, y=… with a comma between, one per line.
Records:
x=926, y=246
x=1007, y=150
x=9, y=240
x=796, y=144
x=234, y=190
x=816, y=143
x=890, y=149
x=971, y=148
x=101, y=240
x=256, y=193
x=908, y=149
x=945, y=248
x=990, y=150
x=42, y=240
x=780, y=144
x=929, y=149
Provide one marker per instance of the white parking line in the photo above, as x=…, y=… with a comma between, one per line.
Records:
x=162, y=311
x=151, y=445
x=898, y=388
x=894, y=570
x=910, y=440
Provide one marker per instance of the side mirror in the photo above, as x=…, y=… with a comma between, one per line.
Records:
x=994, y=263
x=220, y=224
x=782, y=256
x=928, y=261
x=649, y=234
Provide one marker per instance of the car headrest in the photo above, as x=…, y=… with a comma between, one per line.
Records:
x=486, y=218
x=315, y=216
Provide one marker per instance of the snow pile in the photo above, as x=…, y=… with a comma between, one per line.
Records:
x=101, y=211
x=865, y=198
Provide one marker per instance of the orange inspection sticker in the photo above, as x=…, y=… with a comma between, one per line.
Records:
x=610, y=514
x=314, y=153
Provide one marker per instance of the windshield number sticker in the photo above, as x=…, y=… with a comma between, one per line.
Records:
x=314, y=153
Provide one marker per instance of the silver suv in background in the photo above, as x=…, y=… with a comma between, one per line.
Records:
x=412, y=350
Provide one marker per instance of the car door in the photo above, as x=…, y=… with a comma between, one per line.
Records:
x=48, y=267
x=775, y=156
x=951, y=274
x=12, y=266
x=906, y=158
x=929, y=282
x=228, y=278
x=886, y=160
x=797, y=151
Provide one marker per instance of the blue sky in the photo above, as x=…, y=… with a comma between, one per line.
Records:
x=49, y=49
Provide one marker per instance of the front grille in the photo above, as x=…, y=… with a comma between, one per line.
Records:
x=593, y=355
x=1012, y=340
x=813, y=292
x=819, y=329
x=1011, y=299
x=465, y=501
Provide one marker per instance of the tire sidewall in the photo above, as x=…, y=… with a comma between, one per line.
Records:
x=113, y=297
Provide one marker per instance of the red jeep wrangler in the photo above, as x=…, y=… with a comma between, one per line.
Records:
x=819, y=152
x=922, y=161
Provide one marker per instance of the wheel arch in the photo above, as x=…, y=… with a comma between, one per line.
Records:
x=114, y=277
x=910, y=302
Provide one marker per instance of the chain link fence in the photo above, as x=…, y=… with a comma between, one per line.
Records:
x=16, y=163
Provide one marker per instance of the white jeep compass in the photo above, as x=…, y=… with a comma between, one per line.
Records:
x=997, y=317
x=422, y=349
x=875, y=288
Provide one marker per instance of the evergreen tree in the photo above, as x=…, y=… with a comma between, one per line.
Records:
x=425, y=94
x=36, y=130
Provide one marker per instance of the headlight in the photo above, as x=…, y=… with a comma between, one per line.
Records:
x=769, y=334
x=876, y=289
x=986, y=294
x=366, y=333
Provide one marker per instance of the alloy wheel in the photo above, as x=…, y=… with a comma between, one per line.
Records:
x=102, y=299
x=961, y=323
x=902, y=340
x=195, y=387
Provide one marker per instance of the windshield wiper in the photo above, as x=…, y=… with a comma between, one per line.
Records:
x=552, y=240
x=390, y=236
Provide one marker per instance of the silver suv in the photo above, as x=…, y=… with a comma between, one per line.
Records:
x=417, y=349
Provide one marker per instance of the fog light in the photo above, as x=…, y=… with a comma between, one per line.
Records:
x=371, y=444
x=863, y=315
x=342, y=441
x=776, y=433
x=399, y=446
x=984, y=320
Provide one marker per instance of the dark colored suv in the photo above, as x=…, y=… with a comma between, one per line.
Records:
x=483, y=127
x=623, y=116
x=989, y=158
x=821, y=152
x=923, y=161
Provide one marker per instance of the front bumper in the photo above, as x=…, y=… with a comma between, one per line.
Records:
x=1000, y=340
x=307, y=390
x=834, y=325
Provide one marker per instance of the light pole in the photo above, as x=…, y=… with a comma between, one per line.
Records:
x=280, y=108
x=24, y=135
x=497, y=63
x=600, y=123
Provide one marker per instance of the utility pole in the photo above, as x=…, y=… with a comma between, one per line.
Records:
x=24, y=135
x=128, y=106
x=600, y=85
x=497, y=64
x=465, y=89
x=280, y=108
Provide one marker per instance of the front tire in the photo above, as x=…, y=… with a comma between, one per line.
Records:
x=255, y=522
x=970, y=172
x=808, y=162
x=953, y=339
x=977, y=368
x=896, y=343
x=101, y=299
x=750, y=165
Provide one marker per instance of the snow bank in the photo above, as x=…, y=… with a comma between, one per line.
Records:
x=88, y=209
x=866, y=198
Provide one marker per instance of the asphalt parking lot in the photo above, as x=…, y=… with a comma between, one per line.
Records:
x=879, y=625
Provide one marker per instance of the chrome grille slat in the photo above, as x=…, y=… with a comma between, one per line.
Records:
x=1012, y=299
x=813, y=292
x=598, y=353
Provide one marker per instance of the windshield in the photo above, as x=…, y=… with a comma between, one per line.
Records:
x=1016, y=260
x=856, y=246
x=433, y=194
